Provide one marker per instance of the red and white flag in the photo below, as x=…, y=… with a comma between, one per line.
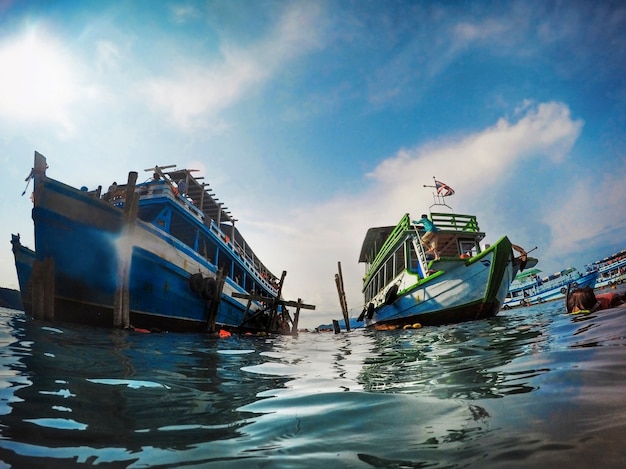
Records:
x=443, y=190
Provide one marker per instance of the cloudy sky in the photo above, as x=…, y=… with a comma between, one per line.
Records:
x=316, y=120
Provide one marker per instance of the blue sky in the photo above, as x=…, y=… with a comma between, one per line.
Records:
x=316, y=120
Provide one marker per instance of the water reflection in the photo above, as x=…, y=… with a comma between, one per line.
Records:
x=532, y=383
x=457, y=361
x=106, y=388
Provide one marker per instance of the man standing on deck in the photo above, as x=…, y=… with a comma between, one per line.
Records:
x=431, y=237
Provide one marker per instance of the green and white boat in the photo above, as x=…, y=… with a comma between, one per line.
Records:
x=405, y=287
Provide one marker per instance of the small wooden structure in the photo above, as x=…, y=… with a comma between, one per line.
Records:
x=272, y=304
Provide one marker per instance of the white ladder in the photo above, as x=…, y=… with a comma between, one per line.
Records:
x=419, y=249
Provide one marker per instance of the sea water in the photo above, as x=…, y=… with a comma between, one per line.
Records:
x=533, y=387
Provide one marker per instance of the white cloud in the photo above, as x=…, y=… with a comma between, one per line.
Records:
x=194, y=92
x=582, y=215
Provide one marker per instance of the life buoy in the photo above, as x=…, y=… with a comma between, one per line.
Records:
x=196, y=283
x=370, y=310
x=391, y=295
x=210, y=288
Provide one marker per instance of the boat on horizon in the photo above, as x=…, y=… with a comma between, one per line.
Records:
x=159, y=255
x=531, y=287
x=611, y=270
x=406, y=287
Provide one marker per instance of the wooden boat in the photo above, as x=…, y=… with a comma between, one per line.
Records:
x=405, y=287
x=611, y=270
x=530, y=287
x=145, y=255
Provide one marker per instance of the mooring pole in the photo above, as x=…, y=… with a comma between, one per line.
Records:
x=121, y=302
x=342, y=296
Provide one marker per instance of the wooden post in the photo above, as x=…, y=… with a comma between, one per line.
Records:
x=49, y=289
x=121, y=302
x=336, y=327
x=296, y=317
x=42, y=281
x=37, y=290
x=342, y=296
x=213, y=304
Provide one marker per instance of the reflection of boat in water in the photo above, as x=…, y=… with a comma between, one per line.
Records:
x=403, y=286
x=611, y=270
x=530, y=288
x=160, y=254
x=80, y=394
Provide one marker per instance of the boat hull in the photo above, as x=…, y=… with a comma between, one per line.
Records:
x=462, y=290
x=91, y=247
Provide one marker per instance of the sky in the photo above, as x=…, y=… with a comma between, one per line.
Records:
x=314, y=121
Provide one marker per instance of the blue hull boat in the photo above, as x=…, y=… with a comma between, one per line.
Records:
x=155, y=255
x=530, y=288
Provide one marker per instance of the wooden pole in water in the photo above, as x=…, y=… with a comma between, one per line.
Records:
x=49, y=288
x=342, y=296
x=37, y=290
x=42, y=281
x=121, y=302
x=214, y=303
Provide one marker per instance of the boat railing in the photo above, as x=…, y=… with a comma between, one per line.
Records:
x=398, y=232
x=455, y=222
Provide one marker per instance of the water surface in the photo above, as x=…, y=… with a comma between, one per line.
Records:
x=531, y=387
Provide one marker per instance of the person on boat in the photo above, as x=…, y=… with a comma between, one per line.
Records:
x=431, y=237
x=111, y=191
x=182, y=187
x=584, y=300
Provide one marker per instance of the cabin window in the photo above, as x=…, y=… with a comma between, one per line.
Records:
x=399, y=260
x=413, y=259
x=225, y=263
x=238, y=275
x=154, y=214
x=183, y=230
x=207, y=248
x=468, y=246
x=389, y=270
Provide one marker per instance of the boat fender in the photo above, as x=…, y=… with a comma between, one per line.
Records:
x=563, y=290
x=391, y=295
x=196, y=283
x=210, y=288
x=574, y=285
x=362, y=315
x=370, y=310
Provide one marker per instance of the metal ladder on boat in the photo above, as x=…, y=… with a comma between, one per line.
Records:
x=421, y=253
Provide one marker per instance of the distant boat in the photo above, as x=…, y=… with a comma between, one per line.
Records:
x=530, y=287
x=611, y=270
x=162, y=254
x=403, y=287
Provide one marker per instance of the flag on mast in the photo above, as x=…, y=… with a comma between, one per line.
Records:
x=443, y=189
